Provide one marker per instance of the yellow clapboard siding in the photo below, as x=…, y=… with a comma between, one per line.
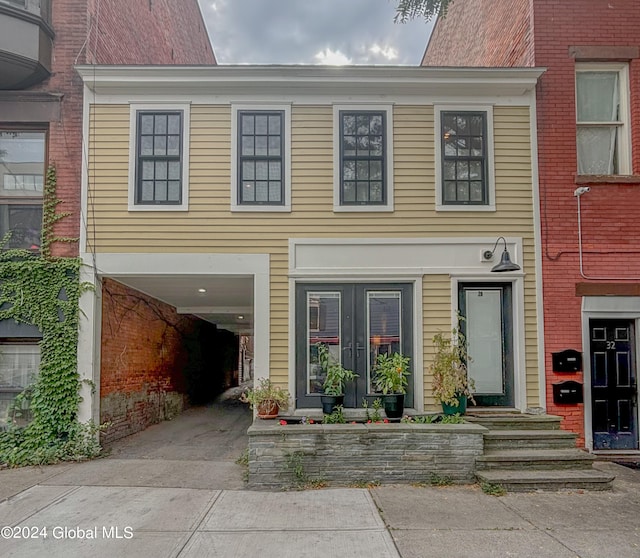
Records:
x=210, y=226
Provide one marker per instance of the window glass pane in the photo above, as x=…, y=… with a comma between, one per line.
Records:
x=173, y=145
x=274, y=125
x=261, y=146
x=375, y=146
x=25, y=224
x=262, y=170
x=247, y=124
x=476, y=192
x=475, y=170
x=362, y=191
x=275, y=170
x=476, y=125
x=161, y=190
x=174, y=170
x=323, y=326
x=147, y=190
x=349, y=170
x=19, y=368
x=147, y=170
x=146, y=124
x=449, y=170
x=262, y=191
x=362, y=170
x=597, y=96
x=362, y=146
x=376, y=192
x=161, y=170
x=384, y=321
x=349, y=125
x=462, y=170
x=349, y=146
x=484, y=339
x=375, y=170
x=146, y=145
x=248, y=170
x=261, y=124
x=21, y=163
x=159, y=145
x=247, y=145
x=160, y=124
x=174, y=191
x=476, y=147
x=596, y=149
x=274, y=146
x=349, y=191
x=462, y=191
x=174, y=124
x=248, y=191
x=362, y=124
x=449, y=191
x=275, y=193
x=375, y=127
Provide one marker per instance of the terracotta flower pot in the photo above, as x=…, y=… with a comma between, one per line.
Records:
x=268, y=409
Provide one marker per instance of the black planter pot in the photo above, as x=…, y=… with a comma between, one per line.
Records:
x=393, y=405
x=330, y=402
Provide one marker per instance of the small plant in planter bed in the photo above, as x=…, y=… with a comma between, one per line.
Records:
x=266, y=398
x=336, y=378
x=391, y=374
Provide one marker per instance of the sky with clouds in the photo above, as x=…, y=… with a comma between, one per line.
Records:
x=312, y=32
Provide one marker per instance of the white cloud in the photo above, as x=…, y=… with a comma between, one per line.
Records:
x=332, y=58
x=388, y=52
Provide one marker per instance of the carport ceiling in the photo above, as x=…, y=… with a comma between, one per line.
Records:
x=226, y=302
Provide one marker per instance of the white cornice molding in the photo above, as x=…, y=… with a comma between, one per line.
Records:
x=316, y=80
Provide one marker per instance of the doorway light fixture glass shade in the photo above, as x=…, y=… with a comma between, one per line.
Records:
x=505, y=261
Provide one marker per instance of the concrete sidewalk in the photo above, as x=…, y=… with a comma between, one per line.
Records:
x=159, y=521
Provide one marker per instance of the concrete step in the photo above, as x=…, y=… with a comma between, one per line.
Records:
x=529, y=439
x=531, y=479
x=534, y=459
x=515, y=421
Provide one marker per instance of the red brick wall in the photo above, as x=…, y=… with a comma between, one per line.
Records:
x=611, y=234
x=109, y=32
x=153, y=359
x=482, y=33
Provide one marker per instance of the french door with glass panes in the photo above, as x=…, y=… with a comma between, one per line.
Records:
x=356, y=321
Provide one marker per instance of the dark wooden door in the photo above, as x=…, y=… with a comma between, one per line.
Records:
x=613, y=384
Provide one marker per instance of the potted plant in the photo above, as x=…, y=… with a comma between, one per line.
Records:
x=335, y=380
x=391, y=373
x=452, y=386
x=266, y=398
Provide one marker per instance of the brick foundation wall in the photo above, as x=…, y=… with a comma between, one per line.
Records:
x=155, y=362
x=347, y=453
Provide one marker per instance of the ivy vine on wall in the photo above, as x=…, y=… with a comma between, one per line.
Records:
x=44, y=291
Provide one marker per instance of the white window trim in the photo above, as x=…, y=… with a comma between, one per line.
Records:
x=624, y=135
x=388, y=109
x=286, y=158
x=186, y=119
x=491, y=175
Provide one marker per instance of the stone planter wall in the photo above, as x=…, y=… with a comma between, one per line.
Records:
x=348, y=453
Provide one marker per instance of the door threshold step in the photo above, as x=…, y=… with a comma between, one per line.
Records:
x=531, y=479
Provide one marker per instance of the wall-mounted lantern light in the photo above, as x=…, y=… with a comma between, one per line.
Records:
x=505, y=262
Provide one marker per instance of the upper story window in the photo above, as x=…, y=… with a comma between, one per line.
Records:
x=22, y=169
x=602, y=118
x=261, y=168
x=159, y=161
x=364, y=179
x=464, y=159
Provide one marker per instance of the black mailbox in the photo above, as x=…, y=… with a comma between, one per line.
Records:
x=567, y=393
x=567, y=361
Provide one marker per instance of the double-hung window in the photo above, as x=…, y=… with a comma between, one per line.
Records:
x=464, y=153
x=22, y=170
x=602, y=118
x=261, y=168
x=364, y=181
x=159, y=158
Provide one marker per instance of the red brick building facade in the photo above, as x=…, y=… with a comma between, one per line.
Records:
x=41, y=113
x=588, y=111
